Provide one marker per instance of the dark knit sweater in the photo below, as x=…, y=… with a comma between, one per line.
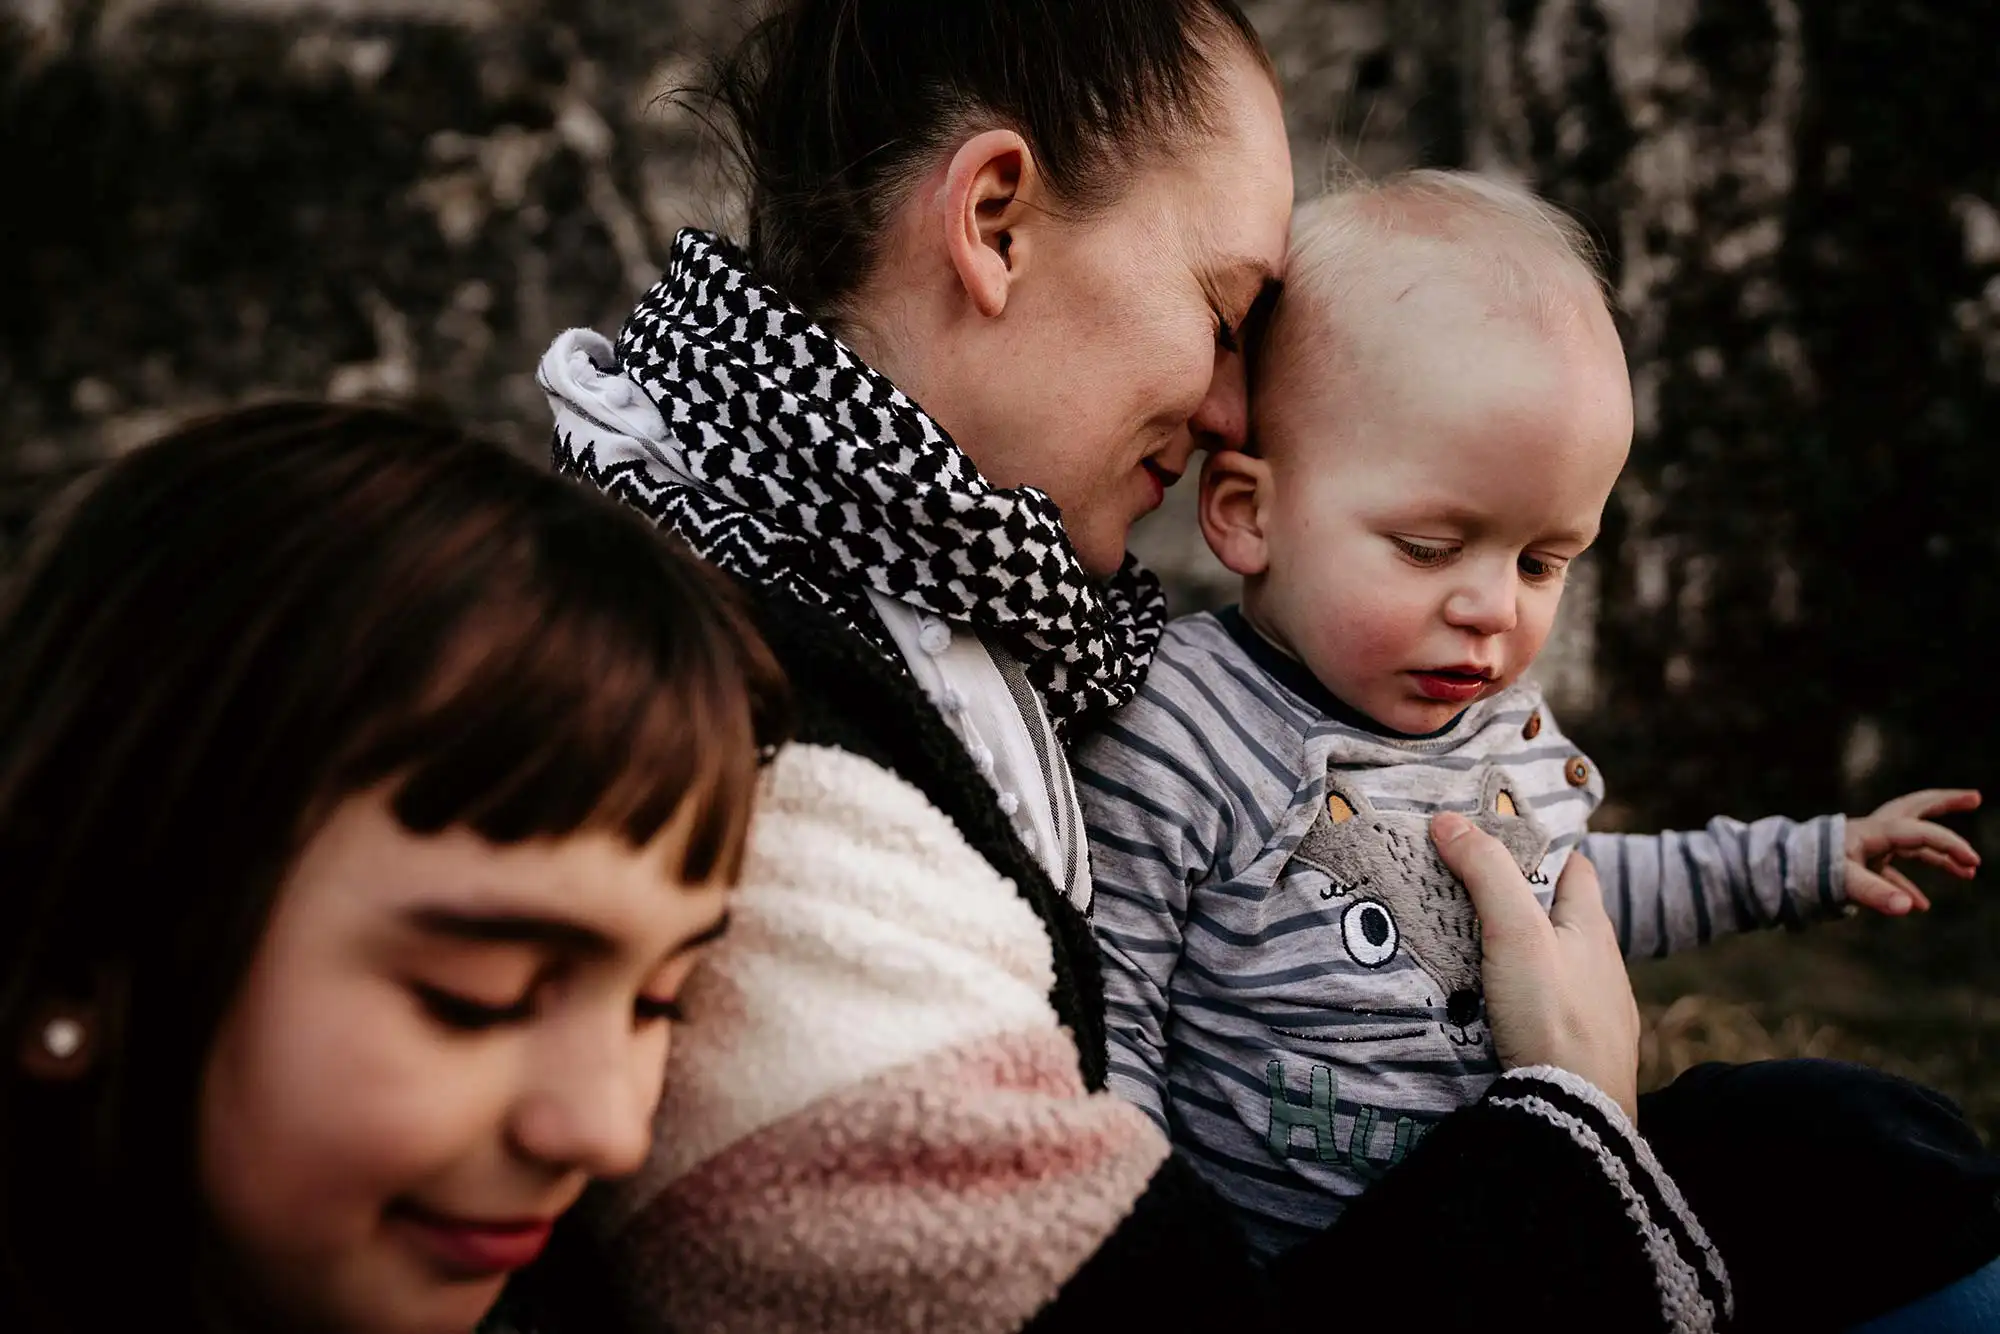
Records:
x=1535, y=1208
x=1500, y=1216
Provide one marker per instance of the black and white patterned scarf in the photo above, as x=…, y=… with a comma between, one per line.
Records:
x=783, y=458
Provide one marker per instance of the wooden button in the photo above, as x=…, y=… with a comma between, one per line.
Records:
x=1577, y=771
x=1533, y=727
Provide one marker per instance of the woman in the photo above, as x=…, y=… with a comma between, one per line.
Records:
x=359, y=835
x=1055, y=228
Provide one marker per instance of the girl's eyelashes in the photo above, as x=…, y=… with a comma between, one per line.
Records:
x=1424, y=553
x=465, y=1015
x=653, y=1010
x=1226, y=336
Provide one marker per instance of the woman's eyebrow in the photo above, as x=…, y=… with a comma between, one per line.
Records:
x=513, y=929
x=1242, y=273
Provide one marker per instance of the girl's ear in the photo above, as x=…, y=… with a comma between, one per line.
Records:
x=60, y=1042
x=1235, y=497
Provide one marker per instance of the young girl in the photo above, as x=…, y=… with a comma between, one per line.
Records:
x=366, y=796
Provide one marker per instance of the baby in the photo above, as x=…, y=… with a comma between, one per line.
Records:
x=1293, y=977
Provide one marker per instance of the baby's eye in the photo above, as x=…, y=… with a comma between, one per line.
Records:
x=1423, y=554
x=1540, y=570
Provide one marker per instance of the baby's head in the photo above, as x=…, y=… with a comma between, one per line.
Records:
x=1439, y=414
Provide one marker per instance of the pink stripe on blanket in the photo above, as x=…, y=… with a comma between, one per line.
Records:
x=957, y=1193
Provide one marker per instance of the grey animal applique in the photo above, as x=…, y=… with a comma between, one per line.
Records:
x=1396, y=896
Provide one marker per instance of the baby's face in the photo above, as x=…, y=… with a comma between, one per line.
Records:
x=1426, y=494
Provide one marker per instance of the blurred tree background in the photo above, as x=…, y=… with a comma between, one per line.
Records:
x=1799, y=204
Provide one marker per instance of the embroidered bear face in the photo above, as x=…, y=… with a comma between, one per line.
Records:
x=1394, y=894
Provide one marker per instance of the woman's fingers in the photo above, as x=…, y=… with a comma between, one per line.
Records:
x=1509, y=914
x=1556, y=989
x=1580, y=898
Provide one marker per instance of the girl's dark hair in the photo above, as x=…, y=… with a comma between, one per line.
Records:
x=835, y=108
x=230, y=632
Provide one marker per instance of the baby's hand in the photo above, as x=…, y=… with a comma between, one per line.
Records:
x=1902, y=828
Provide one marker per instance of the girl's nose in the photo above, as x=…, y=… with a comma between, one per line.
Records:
x=591, y=1109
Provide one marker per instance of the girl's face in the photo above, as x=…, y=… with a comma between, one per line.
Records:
x=439, y=1042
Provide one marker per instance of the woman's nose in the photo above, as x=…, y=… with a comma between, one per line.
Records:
x=592, y=1110
x=1222, y=421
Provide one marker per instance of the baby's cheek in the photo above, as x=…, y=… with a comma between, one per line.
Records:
x=1371, y=628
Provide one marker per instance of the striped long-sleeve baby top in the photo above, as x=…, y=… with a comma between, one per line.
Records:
x=1291, y=975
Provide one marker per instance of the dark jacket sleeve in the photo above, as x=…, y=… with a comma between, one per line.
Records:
x=1536, y=1208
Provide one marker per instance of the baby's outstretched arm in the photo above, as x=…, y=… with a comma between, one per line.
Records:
x=1679, y=890
x=1903, y=828
x=1674, y=891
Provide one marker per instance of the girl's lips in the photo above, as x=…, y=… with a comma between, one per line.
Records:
x=471, y=1249
x=1450, y=687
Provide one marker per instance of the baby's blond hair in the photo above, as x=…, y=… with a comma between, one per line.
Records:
x=1534, y=260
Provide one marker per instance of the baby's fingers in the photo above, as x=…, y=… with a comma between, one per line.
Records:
x=1869, y=890
x=1906, y=837
x=1944, y=861
x=1904, y=883
x=1931, y=801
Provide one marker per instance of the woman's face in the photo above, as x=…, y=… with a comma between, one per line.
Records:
x=438, y=1043
x=1115, y=358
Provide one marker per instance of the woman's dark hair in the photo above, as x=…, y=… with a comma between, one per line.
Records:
x=835, y=108
x=230, y=632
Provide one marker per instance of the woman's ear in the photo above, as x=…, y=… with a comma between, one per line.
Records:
x=990, y=191
x=1235, y=499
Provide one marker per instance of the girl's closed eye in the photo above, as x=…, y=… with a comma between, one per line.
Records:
x=467, y=1014
x=658, y=1009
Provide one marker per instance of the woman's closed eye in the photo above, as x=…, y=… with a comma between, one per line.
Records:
x=1227, y=335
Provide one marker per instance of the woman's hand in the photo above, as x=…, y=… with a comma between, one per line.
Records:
x=1556, y=989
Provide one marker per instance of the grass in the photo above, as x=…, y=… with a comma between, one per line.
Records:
x=1917, y=997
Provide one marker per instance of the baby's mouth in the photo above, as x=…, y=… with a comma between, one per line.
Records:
x=1453, y=685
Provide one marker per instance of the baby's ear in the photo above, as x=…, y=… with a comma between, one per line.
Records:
x=1235, y=493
